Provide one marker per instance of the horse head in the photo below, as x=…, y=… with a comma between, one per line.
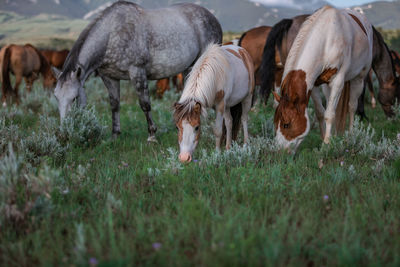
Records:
x=187, y=121
x=69, y=88
x=387, y=96
x=291, y=119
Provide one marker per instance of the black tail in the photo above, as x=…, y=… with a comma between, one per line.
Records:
x=6, y=86
x=268, y=65
x=236, y=112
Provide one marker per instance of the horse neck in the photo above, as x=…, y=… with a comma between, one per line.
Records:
x=382, y=65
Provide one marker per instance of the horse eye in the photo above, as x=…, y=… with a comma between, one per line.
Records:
x=286, y=125
x=197, y=128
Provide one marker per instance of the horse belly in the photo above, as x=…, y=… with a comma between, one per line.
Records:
x=174, y=46
x=240, y=85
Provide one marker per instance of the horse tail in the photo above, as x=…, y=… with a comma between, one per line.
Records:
x=241, y=39
x=268, y=64
x=342, y=108
x=236, y=112
x=5, y=68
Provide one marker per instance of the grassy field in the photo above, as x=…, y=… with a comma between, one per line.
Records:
x=70, y=195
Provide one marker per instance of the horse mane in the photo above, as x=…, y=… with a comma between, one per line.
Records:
x=44, y=64
x=241, y=39
x=303, y=33
x=72, y=59
x=378, y=57
x=208, y=73
x=268, y=64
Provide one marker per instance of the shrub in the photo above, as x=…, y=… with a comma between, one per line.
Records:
x=81, y=128
x=43, y=144
x=23, y=194
x=8, y=134
x=360, y=140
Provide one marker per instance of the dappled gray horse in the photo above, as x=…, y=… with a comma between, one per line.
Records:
x=127, y=42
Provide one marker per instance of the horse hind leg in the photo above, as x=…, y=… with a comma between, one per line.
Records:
x=139, y=79
x=18, y=80
x=113, y=87
x=228, y=125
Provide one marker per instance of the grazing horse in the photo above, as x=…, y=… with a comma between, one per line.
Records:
x=128, y=42
x=254, y=41
x=162, y=85
x=333, y=47
x=23, y=61
x=55, y=58
x=223, y=77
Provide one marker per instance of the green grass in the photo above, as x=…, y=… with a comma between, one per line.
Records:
x=125, y=202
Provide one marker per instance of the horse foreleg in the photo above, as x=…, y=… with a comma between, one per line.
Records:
x=218, y=129
x=356, y=89
x=336, y=86
x=319, y=109
x=228, y=126
x=370, y=85
x=139, y=79
x=114, y=94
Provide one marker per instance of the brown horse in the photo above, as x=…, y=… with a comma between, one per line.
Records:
x=55, y=58
x=396, y=61
x=162, y=85
x=254, y=41
x=23, y=61
x=278, y=45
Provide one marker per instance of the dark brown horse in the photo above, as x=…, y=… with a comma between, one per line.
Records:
x=254, y=41
x=55, y=58
x=23, y=61
x=162, y=85
x=278, y=45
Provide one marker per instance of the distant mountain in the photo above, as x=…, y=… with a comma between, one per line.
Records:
x=382, y=13
x=234, y=15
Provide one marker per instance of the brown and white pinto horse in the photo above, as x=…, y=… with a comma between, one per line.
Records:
x=254, y=41
x=223, y=77
x=333, y=47
x=23, y=61
x=55, y=58
x=162, y=85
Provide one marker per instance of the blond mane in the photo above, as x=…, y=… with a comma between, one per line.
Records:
x=208, y=75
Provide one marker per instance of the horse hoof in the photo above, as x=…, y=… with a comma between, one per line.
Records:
x=115, y=136
x=152, y=139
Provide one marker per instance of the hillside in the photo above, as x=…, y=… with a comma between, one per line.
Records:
x=37, y=21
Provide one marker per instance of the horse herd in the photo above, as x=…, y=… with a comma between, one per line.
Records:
x=331, y=50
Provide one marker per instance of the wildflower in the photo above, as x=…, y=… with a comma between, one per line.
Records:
x=93, y=262
x=156, y=246
x=326, y=197
x=342, y=163
x=195, y=160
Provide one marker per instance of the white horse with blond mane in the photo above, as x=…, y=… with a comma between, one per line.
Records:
x=223, y=78
x=333, y=47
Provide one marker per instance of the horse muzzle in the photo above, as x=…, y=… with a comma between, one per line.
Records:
x=185, y=157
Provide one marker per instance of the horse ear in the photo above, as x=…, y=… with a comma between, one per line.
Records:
x=197, y=107
x=56, y=72
x=77, y=73
x=276, y=96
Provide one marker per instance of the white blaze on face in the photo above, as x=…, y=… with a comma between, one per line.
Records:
x=188, y=143
x=291, y=145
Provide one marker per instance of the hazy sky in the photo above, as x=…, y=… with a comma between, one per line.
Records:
x=338, y=3
x=345, y=3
